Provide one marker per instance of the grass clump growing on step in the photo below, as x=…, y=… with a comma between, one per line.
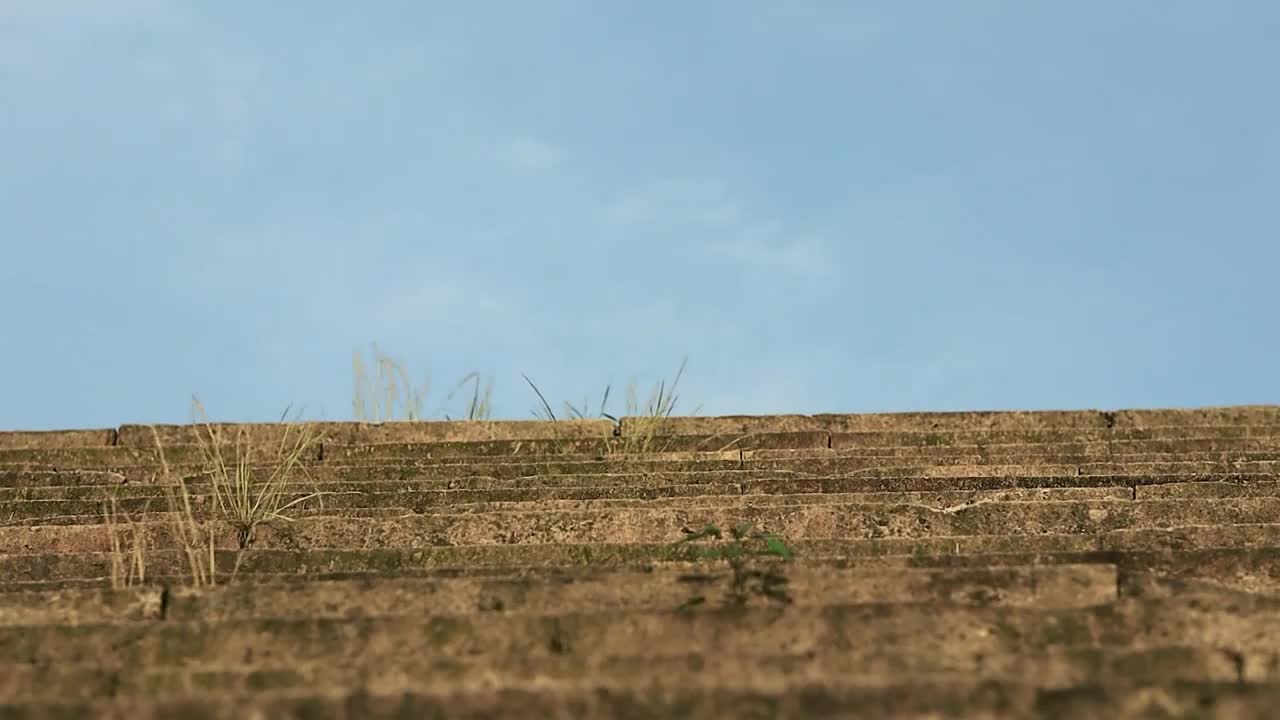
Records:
x=645, y=423
x=245, y=495
x=755, y=561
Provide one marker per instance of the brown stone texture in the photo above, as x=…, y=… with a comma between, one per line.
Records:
x=1072, y=564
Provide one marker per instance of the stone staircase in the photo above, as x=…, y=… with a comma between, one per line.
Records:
x=960, y=565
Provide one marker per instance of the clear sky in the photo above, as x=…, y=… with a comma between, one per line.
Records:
x=827, y=206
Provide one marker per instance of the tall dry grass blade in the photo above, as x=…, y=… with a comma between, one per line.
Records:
x=184, y=525
x=547, y=412
x=375, y=398
x=128, y=568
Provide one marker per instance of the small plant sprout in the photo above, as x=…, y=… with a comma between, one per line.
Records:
x=245, y=495
x=754, y=560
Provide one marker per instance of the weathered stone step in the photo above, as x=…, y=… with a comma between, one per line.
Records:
x=897, y=445
x=1082, y=447
x=30, y=483
x=46, y=484
x=904, y=701
x=1046, y=586
x=338, y=497
x=795, y=517
x=109, y=458
x=15, y=476
x=807, y=517
x=1002, y=454
x=270, y=434
x=1241, y=556
x=876, y=439
x=452, y=431
x=993, y=420
x=102, y=437
x=368, y=452
x=509, y=450
x=1054, y=668
x=920, y=637
x=797, y=440
x=1210, y=489
x=794, y=463
x=337, y=501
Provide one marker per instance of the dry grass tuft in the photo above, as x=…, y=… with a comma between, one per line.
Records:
x=646, y=424
x=376, y=398
x=389, y=394
x=243, y=497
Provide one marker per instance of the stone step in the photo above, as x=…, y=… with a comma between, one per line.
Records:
x=530, y=591
x=796, y=440
x=101, y=437
x=795, y=517
x=271, y=434
x=805, y=518
x=921, y=637
x=1056, y=668
x=39, y=502
x=1031, y=455
x=630, y=489
x=453, y=431
x=36, y=502
x=1210, y=489
x=794, y=463
x=1245, y=557
x=874, y=439
x=110, y=458
x=32, y=484
x=904, y=700
x=24, y=483
x=994, y=420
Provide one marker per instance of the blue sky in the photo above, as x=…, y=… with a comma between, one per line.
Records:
x=827, y=206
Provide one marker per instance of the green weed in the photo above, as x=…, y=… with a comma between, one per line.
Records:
x=645, y=421
x=755, y=562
